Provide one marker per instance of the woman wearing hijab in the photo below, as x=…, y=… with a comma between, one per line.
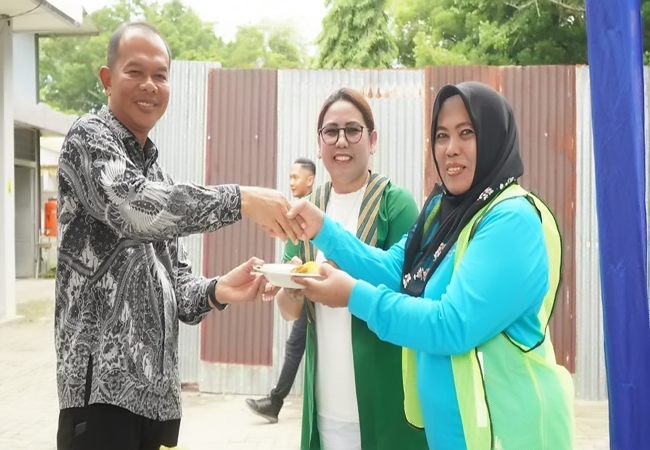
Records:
x=468, y=292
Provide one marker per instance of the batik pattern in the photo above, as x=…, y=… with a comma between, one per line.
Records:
x=123, y=277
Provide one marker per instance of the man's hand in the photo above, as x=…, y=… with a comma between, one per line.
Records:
x=332, y=290
x=309, y=216
x=269, y=208
x=240, y=285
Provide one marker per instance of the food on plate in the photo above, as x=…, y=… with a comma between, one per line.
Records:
x=308, y=267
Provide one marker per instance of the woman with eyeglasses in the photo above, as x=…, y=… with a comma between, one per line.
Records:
x=353, y=392
x=469, y=292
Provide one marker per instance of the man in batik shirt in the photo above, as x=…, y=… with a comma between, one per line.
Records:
x=123, y=277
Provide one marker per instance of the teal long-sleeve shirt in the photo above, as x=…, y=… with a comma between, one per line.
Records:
x=499, y=284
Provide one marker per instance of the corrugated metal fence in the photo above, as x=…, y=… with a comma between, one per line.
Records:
x=260, y=121
x=180, y=136
x=591, y=378
x=236, y=345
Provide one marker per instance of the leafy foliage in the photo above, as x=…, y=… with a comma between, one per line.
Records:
x=498, y=32
x=69, y=66
x=355, y=34
x=265, y=46
x=189, y=38
x=645, y=26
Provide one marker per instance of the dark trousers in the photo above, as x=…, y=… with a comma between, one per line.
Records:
x=107, y=427
x=293, y=354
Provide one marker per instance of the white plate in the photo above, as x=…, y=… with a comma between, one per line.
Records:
x=280, y=275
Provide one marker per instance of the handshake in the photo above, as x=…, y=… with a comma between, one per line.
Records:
x=278, y=217
x=301, y=220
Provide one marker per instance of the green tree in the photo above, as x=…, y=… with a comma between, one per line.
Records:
x=408, y=19
x=283, y=50
x=69, y=66
x=548, y=32
x=437, y=32
x=645, y=25
x=356, y=34
x=189, y=38
x=247, y=50
x=266, y=45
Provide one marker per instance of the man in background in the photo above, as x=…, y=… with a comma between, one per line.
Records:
x=301, y=180
x=301, y=177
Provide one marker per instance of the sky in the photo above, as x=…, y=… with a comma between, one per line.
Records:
x=306, y=15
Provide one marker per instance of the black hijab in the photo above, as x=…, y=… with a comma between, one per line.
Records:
x=498, y=164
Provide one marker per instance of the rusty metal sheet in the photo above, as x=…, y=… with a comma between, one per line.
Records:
x=242, y=150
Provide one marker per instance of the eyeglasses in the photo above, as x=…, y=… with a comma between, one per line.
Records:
x=330, y=134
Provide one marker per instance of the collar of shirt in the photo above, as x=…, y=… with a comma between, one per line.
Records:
x=144, y=157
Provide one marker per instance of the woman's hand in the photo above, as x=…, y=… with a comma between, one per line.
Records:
x=309, y=216
x=271, y=291
x=290, y=301
x=332, y=290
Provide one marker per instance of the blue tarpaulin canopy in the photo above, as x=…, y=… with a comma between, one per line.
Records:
x=616, y=71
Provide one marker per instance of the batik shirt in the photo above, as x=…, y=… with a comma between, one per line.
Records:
x=123, y=277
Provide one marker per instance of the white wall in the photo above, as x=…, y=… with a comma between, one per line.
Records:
x=25, y=67
x=7, y=209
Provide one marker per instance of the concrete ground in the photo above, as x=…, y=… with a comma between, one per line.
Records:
x=29, y=411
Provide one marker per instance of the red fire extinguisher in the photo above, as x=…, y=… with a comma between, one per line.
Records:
x=50, y=218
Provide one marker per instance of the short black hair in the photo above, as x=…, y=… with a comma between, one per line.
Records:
x=307, y=164
x=116, y=37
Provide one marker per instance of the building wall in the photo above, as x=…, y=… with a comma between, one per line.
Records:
x=25, y=67
x=543, y=98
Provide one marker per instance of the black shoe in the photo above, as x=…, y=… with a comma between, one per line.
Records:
x=264, y=407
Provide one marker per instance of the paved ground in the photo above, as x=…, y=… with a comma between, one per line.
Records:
x=28, y=403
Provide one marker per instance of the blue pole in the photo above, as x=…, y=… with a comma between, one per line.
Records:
x=616, y=72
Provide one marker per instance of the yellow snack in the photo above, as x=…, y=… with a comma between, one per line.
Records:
x=308, y=267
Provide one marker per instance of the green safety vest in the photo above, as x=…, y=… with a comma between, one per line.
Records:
x=524, y=382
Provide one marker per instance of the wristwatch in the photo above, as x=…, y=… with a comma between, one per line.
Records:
x=211, y=294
